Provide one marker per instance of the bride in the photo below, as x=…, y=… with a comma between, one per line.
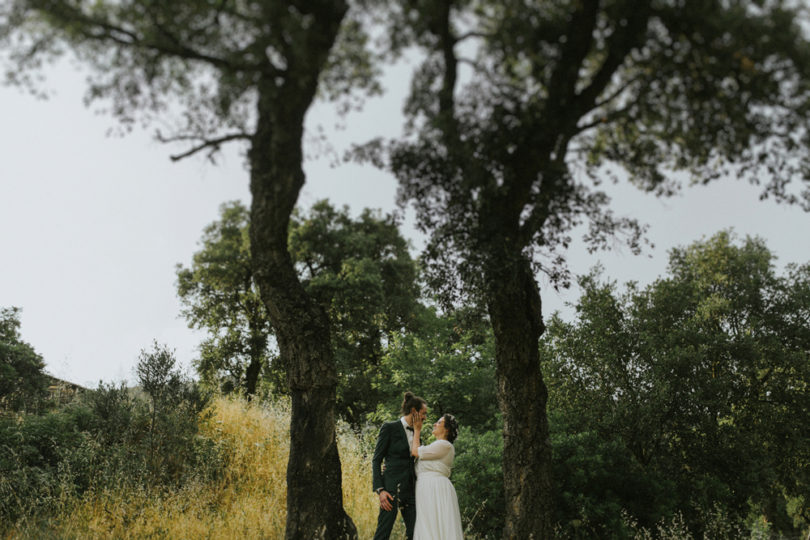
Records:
x=437, y=514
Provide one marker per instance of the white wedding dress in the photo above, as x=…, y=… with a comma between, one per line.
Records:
x=437, y=514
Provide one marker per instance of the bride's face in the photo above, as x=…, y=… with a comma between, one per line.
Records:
x=438, y=429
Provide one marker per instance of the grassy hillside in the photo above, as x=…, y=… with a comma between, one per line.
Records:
x=246, y=499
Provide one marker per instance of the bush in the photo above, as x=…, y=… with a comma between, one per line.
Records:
x=596, y=480
x=478, y=479
x=31, y=461
x=112, y=438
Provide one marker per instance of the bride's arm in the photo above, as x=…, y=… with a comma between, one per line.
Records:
x=435, y=450
x=415, y=445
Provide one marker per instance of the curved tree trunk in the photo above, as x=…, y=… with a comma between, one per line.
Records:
x=314, y=491
x=514, y=308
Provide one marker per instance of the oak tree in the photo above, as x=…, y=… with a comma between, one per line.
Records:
x=214, y=72
x=521, y=109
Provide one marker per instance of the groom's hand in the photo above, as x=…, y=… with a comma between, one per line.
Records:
x=385, y=501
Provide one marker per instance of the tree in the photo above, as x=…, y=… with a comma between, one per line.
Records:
x=219, y=293
x=242, y=71
x=520, y=110
x=23, y=382
x=357, y=269
x=702, y=376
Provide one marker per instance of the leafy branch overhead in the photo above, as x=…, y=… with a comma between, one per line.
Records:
x=198, y=61
x=521, y=110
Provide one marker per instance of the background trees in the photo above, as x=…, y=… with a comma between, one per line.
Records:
x=357, y=269
x=361, y=273
x=220, y=295
x=23, y=383
x=695, y=383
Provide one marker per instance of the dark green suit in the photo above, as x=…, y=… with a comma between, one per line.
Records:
x=399, y=479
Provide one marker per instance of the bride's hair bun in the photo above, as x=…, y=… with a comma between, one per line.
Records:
x=451, y=425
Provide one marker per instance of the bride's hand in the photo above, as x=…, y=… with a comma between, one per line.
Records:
x=417, y=422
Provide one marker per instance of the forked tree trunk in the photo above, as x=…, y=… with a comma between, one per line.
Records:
x=314, y=491
x=514, y=308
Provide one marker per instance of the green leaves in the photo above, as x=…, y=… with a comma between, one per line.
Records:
x=219, y=295
x=701, y=375
x=358, y=270
x=23, y=382
x=450, y=361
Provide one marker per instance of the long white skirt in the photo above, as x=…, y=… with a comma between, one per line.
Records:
x=437, y=514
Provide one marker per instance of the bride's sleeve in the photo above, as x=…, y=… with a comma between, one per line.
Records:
x=436, y=450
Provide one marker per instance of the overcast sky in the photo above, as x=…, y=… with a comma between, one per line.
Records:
x=91, y=227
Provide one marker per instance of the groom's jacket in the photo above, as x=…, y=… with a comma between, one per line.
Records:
x=393, y=448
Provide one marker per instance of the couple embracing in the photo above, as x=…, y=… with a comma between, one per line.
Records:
x=415, y=480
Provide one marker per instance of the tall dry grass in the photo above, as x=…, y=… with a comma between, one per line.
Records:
x=247, y=501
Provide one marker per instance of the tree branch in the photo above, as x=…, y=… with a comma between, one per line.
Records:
x=473, y=34
x=100, y=29
x=579, y=38
x=447, y=93
x=552, y=177
x=213, y=144
x=604, y=118
x=619, y=46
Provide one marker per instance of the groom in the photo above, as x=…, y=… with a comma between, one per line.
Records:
x=395, y=487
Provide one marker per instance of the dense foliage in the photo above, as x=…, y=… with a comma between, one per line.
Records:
x=690, y=393
x=23, y=382
x=108, y=439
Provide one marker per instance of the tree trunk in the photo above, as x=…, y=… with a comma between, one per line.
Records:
x=314, y=490
x=257, y=347
x=252, y=373
x=514, y=308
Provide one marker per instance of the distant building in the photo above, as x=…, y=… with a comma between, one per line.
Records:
x=61, y=391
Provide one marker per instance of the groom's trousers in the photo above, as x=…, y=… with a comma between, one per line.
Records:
x=386, y=519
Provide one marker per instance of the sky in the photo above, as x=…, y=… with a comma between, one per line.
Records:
x=92, y=226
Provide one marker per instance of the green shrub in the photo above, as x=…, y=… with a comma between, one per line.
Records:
x=107, y=439
x=32, y=453
x=478, y=479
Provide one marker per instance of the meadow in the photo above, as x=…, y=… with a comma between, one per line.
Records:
x=245, y=500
